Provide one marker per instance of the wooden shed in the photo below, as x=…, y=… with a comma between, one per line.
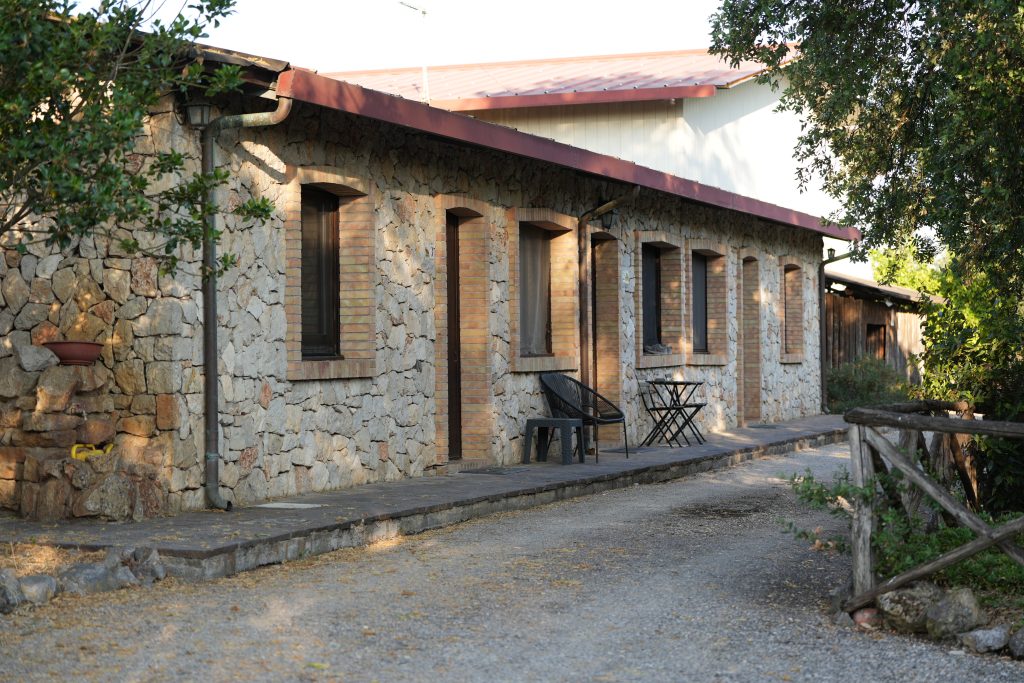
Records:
x=863, y=317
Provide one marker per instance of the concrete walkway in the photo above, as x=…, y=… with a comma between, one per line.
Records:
x=208, y=544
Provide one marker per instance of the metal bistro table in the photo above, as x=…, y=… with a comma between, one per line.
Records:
x=671, y=405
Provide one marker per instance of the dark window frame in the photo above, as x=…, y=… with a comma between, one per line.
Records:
x=699, y=302
x=320, y=275
x=651, y=294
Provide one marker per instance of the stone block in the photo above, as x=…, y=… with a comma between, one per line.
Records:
x=117, y=284
x=10, y=416
x=38, y=588
x=137, y=425
x=14, y=381
x=130, y=377
x=113, y=497
x=45, y=332
x=168, y=411
x=61, y=439
x=10, y=592
x=86, y=327
x=163, y=377
x=63, y=283
x=144, y=404
x=34, y=358
x=87, y=293
x=56, y=387
x=53, y=500
x=50, y=422
x=48, y=265
x=15, y=291
x=104, y=311
x=164, y=316
x=40, y=292
x=144, y=277
x=10, y=494
x=96, y=431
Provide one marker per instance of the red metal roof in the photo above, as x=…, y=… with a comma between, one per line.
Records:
x=571, y=80
x=313, y=88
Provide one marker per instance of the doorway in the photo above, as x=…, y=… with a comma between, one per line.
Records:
x=451, y=239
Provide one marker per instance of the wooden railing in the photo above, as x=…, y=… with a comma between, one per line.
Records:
x=871, y=450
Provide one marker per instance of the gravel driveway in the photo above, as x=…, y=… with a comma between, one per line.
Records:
x=687, y=581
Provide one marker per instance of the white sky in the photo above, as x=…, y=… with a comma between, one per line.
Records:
x=340, y=35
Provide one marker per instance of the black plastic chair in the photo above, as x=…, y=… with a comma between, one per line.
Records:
x=568, y=397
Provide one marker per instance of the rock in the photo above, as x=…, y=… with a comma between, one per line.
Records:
x=15, y=291
x=83, y=579
x=168, y=414
x=956, y=613
x=132, y=309
x=116, y=283
x=87, y=293
x=163, y=317
x=163, y=377
x=10, y=591
x=96, y=431
x=137, y=425
x=867, y=618
x=987, y=639
x=144, y=277
x=1016, y=644
x=64, y=284
x=56, y=387
x=31, y=315
x=48, y=266
x=147, y=565
x=38, y=588
x=843, y=620
x=14, y=382
x=130, y=377
x=35, y=358
x=905, y=608
x=45, y=332
x=113, y=498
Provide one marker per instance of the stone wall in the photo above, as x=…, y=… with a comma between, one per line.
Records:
x=281, y=436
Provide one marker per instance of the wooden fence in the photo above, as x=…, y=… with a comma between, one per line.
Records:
x=871, y=451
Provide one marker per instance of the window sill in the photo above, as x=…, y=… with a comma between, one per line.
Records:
x=544, y=364
x=706, y=359
x=329, y=368
x=659, y=360
x=792, y=358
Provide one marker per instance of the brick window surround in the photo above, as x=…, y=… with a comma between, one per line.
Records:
x=564, y=287
x=475, y=237
x=671, y=249
x=357, y=274
x=750, y=336
x=791, y=310
x=717, y=302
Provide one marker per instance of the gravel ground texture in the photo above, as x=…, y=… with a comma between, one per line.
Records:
x=692, y=580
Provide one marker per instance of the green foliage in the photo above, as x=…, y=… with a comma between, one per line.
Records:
x=899, y=266
x=901, y=543
x=972, y=351
x=75, y=91
x=912, y=116
x=865, y=382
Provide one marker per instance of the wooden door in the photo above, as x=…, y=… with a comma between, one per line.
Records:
x=454, y=340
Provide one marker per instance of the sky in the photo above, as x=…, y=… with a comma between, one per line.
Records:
x=344, y=35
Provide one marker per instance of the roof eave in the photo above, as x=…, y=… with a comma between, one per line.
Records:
x=323, y=91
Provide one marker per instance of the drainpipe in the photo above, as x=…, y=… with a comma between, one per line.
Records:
x=583, y=237
x=212, y=399
x=832, y=258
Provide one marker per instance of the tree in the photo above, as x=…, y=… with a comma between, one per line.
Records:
x=912, y=116
x=75, y=90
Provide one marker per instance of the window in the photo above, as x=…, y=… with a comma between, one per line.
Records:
x=534, y=291
x=320, y=286
x=651, y=297
x=699, y=297
x=792, y=313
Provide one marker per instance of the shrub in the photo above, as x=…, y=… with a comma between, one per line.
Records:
x=865, y=382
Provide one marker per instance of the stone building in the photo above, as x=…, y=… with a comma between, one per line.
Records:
x=335, y=359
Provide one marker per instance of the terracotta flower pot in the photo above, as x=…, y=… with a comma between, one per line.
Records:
x=75, y=352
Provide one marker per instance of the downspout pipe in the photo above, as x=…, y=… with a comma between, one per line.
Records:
x=583, y=237
x=821, y=325
x=210, y=376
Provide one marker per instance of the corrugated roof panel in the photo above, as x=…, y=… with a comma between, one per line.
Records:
x=571, y=75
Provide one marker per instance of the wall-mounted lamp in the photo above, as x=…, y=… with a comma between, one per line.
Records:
x=831, y=253
x=197, y=112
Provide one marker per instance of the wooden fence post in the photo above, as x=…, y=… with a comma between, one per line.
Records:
x=861, y=474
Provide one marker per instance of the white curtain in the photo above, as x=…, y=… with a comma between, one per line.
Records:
x=534, y=290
